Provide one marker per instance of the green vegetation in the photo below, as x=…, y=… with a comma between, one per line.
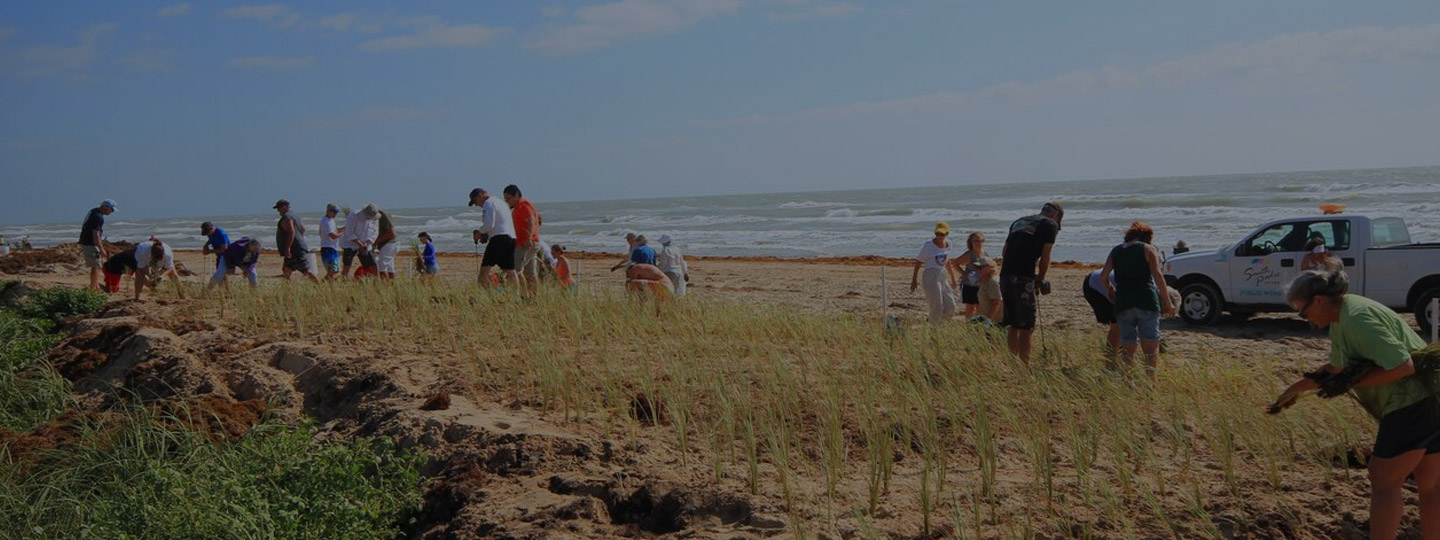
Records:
x=136, y=472
x=60, y=302
x=833, y=417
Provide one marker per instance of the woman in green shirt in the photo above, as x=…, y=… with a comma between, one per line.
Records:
x=1371, y=354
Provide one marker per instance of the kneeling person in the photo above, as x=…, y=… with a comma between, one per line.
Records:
x=150, y=261
x=243, y=254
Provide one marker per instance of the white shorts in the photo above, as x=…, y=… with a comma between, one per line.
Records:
x=385, y=262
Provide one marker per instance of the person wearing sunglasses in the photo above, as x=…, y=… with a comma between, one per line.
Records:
x=1374, y=356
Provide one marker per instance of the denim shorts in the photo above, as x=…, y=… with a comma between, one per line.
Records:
x=1138, y=325
x=330, y=257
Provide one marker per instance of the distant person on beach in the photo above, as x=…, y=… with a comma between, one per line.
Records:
x=386, y=247
x=497, y=232
x=1379, y=360
x=1136, y=294
x=672, y=262
x=527, y=236
x=150, y=261
x=242, y=255
x=562, y=267
x=970, y=273
x=92, y=240
x=1098, y=296
x=360, y=233
x=1027, y=245
x=1181, y=247
x=934, y=254
x=988, y=291
x=643, y=253
x=290, y=240
x=215, y=240
x=644, y=278
x=629, y=251
x=330, y=242
x=429, y=265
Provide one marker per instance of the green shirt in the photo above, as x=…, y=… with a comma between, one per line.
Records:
x=1369, y=330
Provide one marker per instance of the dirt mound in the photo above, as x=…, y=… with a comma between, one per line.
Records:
x=61, y=258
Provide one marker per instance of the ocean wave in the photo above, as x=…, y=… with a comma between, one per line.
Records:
x=813, y=204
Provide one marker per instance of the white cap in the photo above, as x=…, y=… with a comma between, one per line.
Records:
x=664, y=239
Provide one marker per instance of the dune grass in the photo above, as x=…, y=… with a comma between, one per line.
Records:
x=938, y=424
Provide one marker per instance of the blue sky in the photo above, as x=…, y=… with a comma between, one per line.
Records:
x=199, y=108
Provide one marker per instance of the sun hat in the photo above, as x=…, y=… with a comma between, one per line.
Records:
x=332, y=208
x=475, y=193
x=110, y=203
x=370, y=211
x=942, y=228
x=664, y=239
x=281, y=202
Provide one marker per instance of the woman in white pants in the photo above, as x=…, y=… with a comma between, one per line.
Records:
x=933, y=256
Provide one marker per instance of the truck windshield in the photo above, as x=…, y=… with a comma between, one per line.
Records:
x=1389, y=232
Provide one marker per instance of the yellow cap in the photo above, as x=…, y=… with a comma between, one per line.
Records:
x=942, y=228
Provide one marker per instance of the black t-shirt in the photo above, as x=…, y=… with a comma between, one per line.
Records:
x=122, y=262
x=1025, y=244
x=94, y=222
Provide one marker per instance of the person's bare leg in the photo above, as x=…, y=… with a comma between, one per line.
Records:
x=1020, y=344
x=1387, y=505
x=1113, y=335
x=95, y=280
x=1152, y=356
x=485, y=275
x=1427, y=481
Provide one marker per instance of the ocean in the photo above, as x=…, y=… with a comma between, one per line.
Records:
x=1204, y=211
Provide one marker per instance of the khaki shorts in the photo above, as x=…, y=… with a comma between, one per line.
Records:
x=527, y=260
x=92, y=256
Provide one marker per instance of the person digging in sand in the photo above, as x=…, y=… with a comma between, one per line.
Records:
x=1376, y=357
x=150, y=261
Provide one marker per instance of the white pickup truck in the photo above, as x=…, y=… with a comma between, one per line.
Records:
x=1251, y=275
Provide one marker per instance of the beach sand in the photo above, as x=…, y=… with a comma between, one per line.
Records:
x=510, y=469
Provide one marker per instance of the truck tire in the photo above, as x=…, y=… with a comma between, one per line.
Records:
x=1200, y=304
x=1422, y=311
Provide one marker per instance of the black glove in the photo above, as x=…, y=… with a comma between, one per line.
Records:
x=1045, y=286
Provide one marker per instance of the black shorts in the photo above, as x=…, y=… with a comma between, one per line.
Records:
x=969, y=294
x=348, y=255
x=1416, y=427
x=1099, y=303
x=500, y=251
x=1017, y=293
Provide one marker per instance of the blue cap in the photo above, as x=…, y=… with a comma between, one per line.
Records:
x=110, y=203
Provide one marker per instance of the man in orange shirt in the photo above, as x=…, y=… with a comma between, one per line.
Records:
x=527, y=236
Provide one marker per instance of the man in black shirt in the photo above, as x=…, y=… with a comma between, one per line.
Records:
x=92, y=244
x=1028, y=243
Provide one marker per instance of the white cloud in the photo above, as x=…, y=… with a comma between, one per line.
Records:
x=1301, y=58
x=173, y=10
x=49, y=60
x=603, y=25
x=276, y=15
x=433, y=32
x=554, y=11
x=344, y=22
x=150, y=60
x=272, y=62
x=823, y=11
x=372, y=116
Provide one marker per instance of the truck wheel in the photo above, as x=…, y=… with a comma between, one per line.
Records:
x=1200, y=304
x=1422, y=311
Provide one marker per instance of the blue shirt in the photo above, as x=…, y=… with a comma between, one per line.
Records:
x=218, y=240
x=428, y=255
x=643, y=255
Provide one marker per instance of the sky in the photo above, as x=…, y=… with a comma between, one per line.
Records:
x=219, y=108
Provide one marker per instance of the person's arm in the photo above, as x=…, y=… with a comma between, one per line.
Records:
x=99, y=244
x=532, y=227
x=1152, y=256
x=1044, y=262
x=487, y=218
x=1293, y=393
x=915, y=276
x=139, y=282
x=287, y=227
x=1380, y=377
x=1105, y=278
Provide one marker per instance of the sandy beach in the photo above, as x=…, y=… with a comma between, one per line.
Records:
x=511, y=463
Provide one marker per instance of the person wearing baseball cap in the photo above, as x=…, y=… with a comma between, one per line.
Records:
x=215, y=240
x=1027, y=260
x=330, y=241
x=934, y=256
x=497, y=232
x=92, y=244
x=290, y=240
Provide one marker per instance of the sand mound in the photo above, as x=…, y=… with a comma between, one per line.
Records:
x=502, y=471
x=64, y=258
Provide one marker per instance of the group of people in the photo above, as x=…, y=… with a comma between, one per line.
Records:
x=665, y=273
x=22, y=245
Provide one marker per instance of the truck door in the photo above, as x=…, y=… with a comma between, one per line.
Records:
x=1264, y=264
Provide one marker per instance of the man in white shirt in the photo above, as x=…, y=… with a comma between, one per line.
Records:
x=497, y=232
x=330, y=241
x=361, y=230
x=672, y=262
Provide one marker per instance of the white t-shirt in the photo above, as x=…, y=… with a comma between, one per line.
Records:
x=142, y=257
x=327, y=228
x=933, y=256
x=495, y=218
